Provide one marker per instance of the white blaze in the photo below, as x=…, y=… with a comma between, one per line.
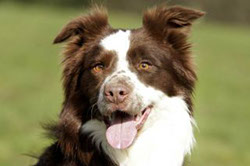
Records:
x=118, y=42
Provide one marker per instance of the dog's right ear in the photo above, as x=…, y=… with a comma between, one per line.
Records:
x=86, y=27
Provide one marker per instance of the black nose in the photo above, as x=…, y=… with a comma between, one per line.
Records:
x=116, y=93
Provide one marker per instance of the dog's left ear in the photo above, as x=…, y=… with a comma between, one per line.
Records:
x=85, y=27
x=160, y=21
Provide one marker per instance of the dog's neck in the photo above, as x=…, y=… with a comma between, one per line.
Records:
x=165, y=139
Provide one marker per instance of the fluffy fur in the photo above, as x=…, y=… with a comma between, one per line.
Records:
x=166, y=87
x=169, y=124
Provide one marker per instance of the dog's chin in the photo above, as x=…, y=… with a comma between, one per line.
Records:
x=123, y=126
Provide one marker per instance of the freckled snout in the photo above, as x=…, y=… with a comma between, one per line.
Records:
x=116, y=93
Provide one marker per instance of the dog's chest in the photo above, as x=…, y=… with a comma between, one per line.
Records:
x=164, y=141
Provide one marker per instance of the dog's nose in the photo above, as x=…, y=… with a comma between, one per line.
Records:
x=116, y=93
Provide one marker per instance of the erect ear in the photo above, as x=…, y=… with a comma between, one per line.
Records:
x=160, y=20
x=86, y=26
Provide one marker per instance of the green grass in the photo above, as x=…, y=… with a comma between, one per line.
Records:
x=222, y=99
x=30, y=85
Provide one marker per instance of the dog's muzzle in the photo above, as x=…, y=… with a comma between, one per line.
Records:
x=122, y=111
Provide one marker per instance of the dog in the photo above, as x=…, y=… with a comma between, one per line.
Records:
x=127, y=93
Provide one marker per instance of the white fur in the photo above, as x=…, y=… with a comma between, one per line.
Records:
x=165, y=138
x=118, y=42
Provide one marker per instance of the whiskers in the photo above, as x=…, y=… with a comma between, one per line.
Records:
x=93, y=108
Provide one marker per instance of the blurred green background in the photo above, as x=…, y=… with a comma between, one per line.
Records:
x=30, y=75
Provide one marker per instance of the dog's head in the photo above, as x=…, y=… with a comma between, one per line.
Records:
x=117, y=76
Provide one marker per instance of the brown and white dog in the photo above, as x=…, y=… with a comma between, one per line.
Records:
x=127, y=92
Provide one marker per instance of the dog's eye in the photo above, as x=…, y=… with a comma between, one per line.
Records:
x=145, y=66
x=98, y=68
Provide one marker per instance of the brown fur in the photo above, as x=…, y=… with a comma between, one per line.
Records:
x=164, y=34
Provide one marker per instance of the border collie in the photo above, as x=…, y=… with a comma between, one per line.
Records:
x=128, y=93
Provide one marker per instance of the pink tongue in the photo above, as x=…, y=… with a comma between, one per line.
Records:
x=121, y=133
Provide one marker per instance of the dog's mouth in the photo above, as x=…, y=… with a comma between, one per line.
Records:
x=122, y=127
